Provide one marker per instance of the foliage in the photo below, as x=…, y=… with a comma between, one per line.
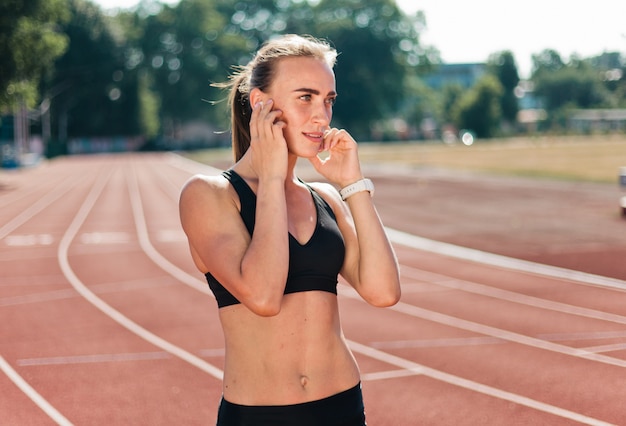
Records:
x=94, y=88
x=149, y=105
x=379, y=47
x=451, y=95
x=479, y=110
x=503, y=66
x=149, y=70
x=564, y=86
x=29, y=44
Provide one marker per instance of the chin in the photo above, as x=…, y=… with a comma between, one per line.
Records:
x=310, y=153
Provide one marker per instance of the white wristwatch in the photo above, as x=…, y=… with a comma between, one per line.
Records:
x=358, y=186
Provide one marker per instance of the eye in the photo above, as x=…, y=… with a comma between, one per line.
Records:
x=331, y=101
x=306, y=97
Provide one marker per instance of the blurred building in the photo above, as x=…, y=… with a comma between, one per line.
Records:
x=598, y=120
x=464, y=75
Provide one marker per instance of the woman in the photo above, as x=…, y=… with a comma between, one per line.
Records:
x=272, y=246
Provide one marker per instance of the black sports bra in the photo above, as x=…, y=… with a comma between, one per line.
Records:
x=314, y=265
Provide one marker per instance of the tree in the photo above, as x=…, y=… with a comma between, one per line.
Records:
x=503, y=66
x=94, y=85
x=451, y=94
x=185, y=48
x=546, y=61
x=29, y=44
x=578, y=86
x=378, y=46
x=195, y=43
x=611, y=67
x=479, y=109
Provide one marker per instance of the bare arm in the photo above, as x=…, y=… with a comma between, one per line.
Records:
x=253, y=268
x=370, y=265
x=220, y=243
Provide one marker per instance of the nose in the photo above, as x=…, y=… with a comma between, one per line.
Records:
x=322, y=114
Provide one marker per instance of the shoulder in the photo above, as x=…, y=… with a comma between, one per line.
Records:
x=204, y=182
x=205, y=192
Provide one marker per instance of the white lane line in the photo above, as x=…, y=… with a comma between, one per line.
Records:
x=504, y=334
x=497, y=293
x=219, y=352
x=585, y=335
x=416, y=368
x=450, y=250
x=437, y=343
x=171, y=236
x=95, y=358
x=476, y=341
x=28, y=240
x=606, y=348
x=144, y=241
x=105, y=238
x=30, y=188
x=38, y=297
x=98, y=289
x=117, y=316
x=393, y=374
x=412, y=368
x=5, y=230
x=104, y=358
x=33, y=209
x=32, y=280
x=29, y=391
x=486, y=330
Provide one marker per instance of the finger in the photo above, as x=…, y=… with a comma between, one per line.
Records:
x=264, y=119
x=335, y=139
x=328, y=138
x=277, y=129
x=254, y=120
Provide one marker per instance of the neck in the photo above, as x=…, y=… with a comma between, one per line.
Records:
x=245, y=169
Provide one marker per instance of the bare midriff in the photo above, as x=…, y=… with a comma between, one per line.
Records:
x=297, y=356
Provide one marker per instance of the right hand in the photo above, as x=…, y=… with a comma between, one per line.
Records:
x=267, y=142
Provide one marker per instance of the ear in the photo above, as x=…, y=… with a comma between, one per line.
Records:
x=256, y=95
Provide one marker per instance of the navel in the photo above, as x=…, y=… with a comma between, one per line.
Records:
x=304, y=381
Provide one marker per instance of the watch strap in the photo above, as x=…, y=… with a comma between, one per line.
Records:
x=358, y=186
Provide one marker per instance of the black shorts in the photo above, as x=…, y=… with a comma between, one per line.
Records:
x=343, y=409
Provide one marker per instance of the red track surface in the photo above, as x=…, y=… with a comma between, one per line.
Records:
x=104, y=319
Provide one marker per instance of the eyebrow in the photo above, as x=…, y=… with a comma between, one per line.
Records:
x=314, y=91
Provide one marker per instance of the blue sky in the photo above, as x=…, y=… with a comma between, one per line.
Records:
x=469, y=31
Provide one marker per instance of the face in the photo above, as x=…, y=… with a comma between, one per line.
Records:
x=304, y=90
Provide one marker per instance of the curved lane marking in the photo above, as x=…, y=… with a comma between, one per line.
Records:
x=413, y=368
x=464, y=253
x=29, y=391
x=511, y=296
x=114, y=314
x=419, y=369
x=33, y=209
x=144, y=241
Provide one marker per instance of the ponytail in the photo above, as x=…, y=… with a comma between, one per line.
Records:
x=240, y=116
x=240, y=110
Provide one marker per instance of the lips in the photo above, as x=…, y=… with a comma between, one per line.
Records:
x=316, y=136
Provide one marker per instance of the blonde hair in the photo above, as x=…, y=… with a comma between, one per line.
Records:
x=259, y=73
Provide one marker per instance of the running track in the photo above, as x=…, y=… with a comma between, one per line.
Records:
x=104, y=319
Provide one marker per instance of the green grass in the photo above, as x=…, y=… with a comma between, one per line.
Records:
x=579, y=158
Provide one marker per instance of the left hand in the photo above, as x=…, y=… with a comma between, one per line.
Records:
x=342, y=165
